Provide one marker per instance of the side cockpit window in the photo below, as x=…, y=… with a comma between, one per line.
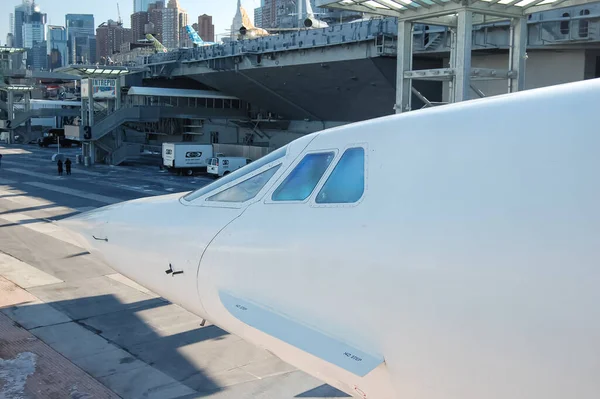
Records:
x=245, y=190
x=346, y=184
x=301, y=182
x=238, y=174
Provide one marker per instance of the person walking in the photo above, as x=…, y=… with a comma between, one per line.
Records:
x=68, y=166
x=60, y=167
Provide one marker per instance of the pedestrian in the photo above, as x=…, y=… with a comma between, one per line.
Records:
x=68, y=166
x=60, y=167
x=0, y=159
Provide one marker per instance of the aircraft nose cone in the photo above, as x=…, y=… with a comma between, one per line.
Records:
x=88, y=228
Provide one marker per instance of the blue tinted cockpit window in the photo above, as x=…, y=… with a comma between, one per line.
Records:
x=301, y=182
x=245, y=190
x=249, y=168
x=346, y=184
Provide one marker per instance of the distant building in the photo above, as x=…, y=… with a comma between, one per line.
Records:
x=34, y=28
x=184, y=38
x=10, y=40
x=81, y=38
x=110, y=36
x=139, y=20
x=11, y=25
x=19, y=15
x=173, y=26
x=155, y=16
x=56, y=47
x=236, y=24
x=258, y=17
x=141, y=5
x=36, y=56
x=205, y=28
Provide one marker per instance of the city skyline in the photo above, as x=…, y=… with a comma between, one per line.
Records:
x=222, y=13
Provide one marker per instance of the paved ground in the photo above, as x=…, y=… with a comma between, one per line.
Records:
x=71, y=327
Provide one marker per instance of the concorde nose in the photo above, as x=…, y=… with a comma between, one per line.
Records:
x=88, y=228
x=154, y=241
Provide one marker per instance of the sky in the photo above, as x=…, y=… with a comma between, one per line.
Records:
x=222, y=11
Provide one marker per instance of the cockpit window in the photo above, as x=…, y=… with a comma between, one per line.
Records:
x=301, y=182
x=346, y=184
x=249, y=168
x=245, y=190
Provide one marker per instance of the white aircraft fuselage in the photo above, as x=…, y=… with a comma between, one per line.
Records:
x=451, y=252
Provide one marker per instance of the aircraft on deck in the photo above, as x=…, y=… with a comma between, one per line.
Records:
x=158, y=46
x=195, y=37
x=249, y=31
x=440, y=253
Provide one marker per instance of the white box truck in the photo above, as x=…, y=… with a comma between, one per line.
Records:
x=186, y=158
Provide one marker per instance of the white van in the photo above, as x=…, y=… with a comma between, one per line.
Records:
x=221, y=166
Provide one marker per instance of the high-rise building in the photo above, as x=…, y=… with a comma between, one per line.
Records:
x=10, y=40
x=34, y=27
x=173, y=26
x=184, y=38
x=236, y=24
x=36, y=56
x=110, y=36
x=206, y=29
x=258, y=17
x=139, y=20
x=11, y=24
x=141, y=5
x=21, y=11
x=155, y=16
x=56, y=47
x=81, y=38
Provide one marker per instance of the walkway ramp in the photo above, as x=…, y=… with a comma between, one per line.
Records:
x=156, y=113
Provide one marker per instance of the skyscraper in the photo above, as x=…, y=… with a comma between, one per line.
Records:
x=19, y=18
x=236, y=24
x=173, y=29
x=139, y=20
x=34, y=27
x=258, y=17
x=110, y=36
x=155, y=16
x=206, y=29
x=81, y=38
x=56, y=47
x=141, y=5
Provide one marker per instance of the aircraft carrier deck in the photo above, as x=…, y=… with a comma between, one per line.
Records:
x=71, y=327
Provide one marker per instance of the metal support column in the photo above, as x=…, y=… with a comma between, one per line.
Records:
x=464, y=40
x=117, y=94
x=90, y=84
x=517, y=54
x=11, y=115
x=452, y=83
x=404, y=62
x=90, y=150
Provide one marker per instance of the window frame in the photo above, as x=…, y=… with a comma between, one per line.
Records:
x=313, y=197
x=231, y=204
x=280, y=179
x=202, y=201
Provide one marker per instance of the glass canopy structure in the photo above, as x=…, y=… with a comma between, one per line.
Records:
x=460, y=15
x=95, y=71
x=408, y=8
